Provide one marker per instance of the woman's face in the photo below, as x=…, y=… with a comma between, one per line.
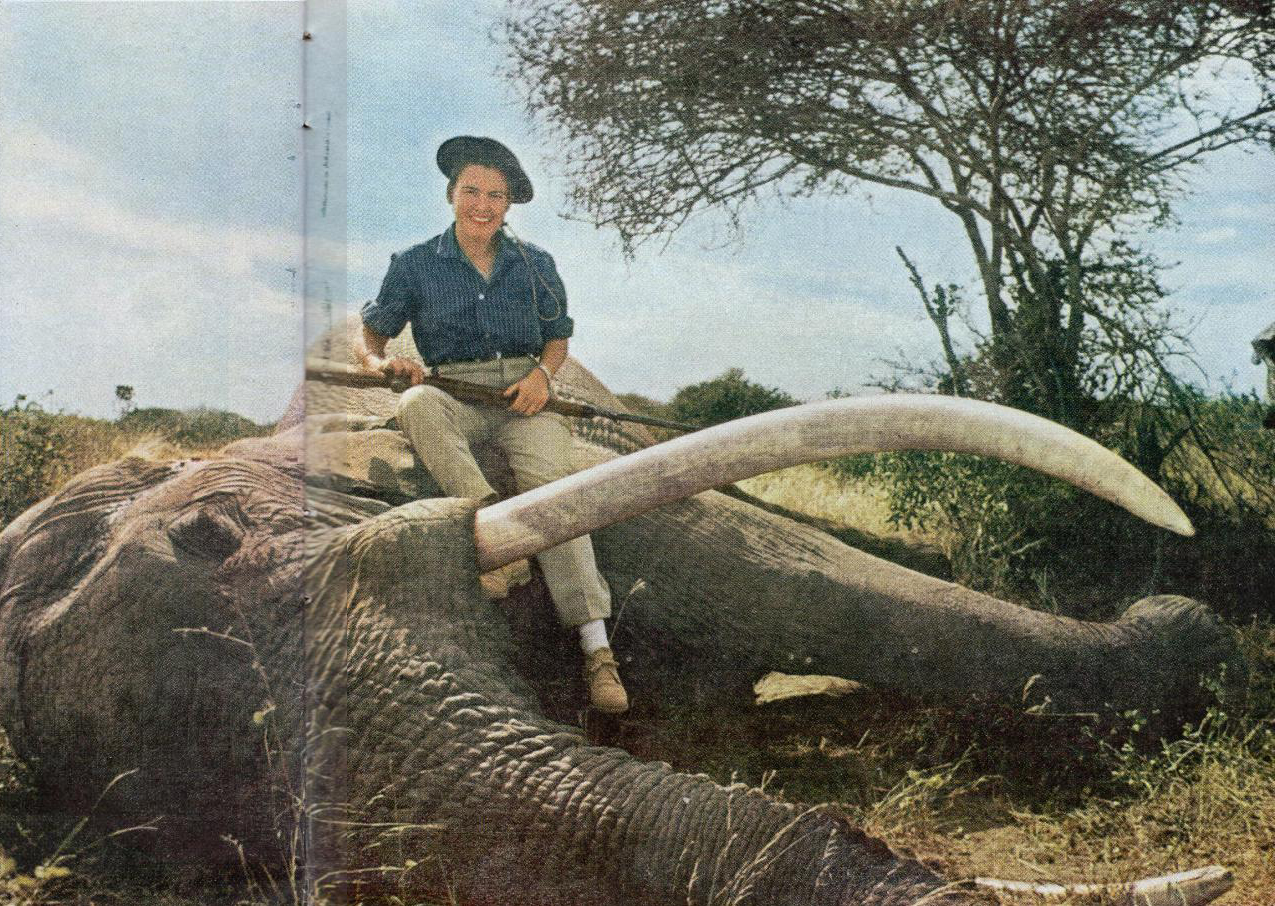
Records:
x=480, y=200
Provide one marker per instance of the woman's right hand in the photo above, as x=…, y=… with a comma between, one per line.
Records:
x=396, y=368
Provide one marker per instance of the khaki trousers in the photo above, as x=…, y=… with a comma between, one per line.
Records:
x=538, y=447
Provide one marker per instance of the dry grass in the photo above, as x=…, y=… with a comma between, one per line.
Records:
x=41, y=451
x=813, y=490
x=1220, y=818
x=998, y=794
x=88, y=443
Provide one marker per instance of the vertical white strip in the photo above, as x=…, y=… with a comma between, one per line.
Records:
x=323, y=142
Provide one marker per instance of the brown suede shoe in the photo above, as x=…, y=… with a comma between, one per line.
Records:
x=602, y=676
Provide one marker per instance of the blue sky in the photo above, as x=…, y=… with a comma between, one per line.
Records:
x=150, y=202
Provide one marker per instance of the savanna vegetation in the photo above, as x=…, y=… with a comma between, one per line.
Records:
x=1022, y=795
x=1053, y=138
x=42, y=449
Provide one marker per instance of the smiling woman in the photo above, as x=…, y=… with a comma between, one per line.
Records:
x=480, y=198
x=473, y=298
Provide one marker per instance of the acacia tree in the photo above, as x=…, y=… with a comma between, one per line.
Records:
x=1053, y=131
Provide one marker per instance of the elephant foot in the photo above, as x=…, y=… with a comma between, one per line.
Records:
x=1186, y=658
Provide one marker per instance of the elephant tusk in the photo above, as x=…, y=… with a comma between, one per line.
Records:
x=631, y=485
x=1186, y=888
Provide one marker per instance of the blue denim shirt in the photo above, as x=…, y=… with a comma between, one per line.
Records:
x=456, y=315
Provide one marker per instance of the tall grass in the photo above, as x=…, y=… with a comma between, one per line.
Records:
x=199, y=429
x=40, y=451
x=818, y=492
x=1024, y=536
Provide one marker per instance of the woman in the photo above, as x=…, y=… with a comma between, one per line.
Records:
x=489, y=309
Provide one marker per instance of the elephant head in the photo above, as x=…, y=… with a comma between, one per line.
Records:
x=278, y=644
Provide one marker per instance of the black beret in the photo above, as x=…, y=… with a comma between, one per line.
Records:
x=457, y=152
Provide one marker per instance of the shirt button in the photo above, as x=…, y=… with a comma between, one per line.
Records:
x=481, y=297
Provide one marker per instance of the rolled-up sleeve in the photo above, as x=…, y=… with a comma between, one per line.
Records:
x=555, y=324
x=388, y=313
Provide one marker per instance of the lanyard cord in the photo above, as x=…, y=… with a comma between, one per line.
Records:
x=536, y=275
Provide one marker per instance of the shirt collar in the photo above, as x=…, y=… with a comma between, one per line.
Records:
x=448, y=247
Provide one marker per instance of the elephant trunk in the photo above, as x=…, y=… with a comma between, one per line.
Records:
x=806, y=603
x=814, y=605
x=596, y=826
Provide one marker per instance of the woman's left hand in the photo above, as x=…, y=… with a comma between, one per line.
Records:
x=530, y=394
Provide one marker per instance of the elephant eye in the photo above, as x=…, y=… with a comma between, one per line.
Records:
x=206, y=532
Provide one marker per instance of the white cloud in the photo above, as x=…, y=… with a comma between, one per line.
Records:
x=1216, y=236
x=27, y=149
x=1255, y=212
x=683, y=317
x=146, y=231
x=189, y=312
x=56, y=189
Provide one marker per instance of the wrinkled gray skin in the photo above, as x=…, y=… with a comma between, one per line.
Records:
x=269, y=647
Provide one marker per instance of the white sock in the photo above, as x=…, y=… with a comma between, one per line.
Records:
x=593, y=635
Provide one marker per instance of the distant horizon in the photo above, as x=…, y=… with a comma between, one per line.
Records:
x=154, y=231
x=268, y=422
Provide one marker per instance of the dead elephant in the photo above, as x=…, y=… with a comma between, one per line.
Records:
x=283, y=651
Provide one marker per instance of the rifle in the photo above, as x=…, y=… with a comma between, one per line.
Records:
x=352, y=376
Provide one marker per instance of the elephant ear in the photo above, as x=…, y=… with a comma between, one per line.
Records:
x=50, y=545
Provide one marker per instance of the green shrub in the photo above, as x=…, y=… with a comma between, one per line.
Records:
x=41, y=450
x=1015, y=532
x=987, y=513
x=726, y=397
x=33, y=447
x=644, y=405
x=192, y=428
